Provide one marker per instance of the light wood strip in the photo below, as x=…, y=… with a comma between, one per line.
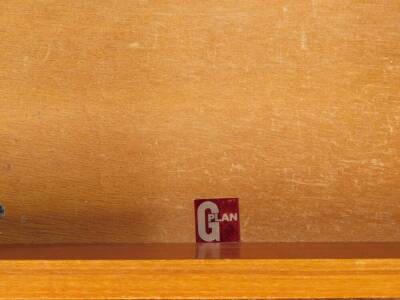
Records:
x=170, y=271
x=216, y=279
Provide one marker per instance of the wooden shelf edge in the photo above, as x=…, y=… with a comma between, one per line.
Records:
x=300, y=250
x=190, y=278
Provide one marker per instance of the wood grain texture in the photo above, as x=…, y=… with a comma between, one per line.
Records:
x=197, y=279
x=115, y=115
x=174, y=271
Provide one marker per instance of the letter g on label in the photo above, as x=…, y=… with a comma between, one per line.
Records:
x=214, y=235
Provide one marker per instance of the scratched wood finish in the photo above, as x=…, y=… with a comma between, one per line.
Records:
x=197, y=279
x=115, y=115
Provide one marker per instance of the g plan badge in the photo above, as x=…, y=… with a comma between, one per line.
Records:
x=217, y=220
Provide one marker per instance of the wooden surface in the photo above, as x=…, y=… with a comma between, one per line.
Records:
x=215, y=279
x=163, y=251
x=115, y=115
x=170, y=274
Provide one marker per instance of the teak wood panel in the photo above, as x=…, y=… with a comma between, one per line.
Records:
x=115, y=115
x=174, y=271
x=204, y=279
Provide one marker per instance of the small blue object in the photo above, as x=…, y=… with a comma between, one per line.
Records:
x=2, y=211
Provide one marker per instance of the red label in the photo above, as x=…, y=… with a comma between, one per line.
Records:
x=217, y=220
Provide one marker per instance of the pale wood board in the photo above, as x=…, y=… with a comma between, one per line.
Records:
x=115, y=115
x=197, y=279
x=173, y=271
